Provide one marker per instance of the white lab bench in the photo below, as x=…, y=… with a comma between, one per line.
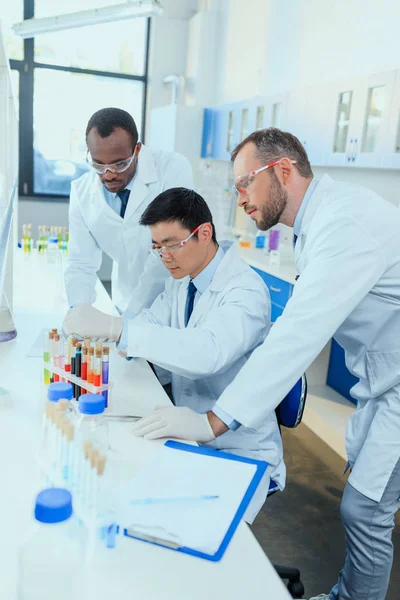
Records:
x=327, y=411
x=133, y=569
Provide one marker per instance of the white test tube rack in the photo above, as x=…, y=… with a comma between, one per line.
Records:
x=82, y=383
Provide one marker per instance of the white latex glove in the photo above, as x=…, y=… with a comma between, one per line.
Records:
x=175, y=422
x=83, y=321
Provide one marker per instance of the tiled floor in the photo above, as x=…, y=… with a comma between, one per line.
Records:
x=301, y=527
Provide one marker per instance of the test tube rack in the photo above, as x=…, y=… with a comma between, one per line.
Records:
x=82, y=383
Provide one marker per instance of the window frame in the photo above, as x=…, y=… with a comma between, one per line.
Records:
x=26, y=68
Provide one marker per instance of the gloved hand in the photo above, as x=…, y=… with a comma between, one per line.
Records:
x=176, y=422
x=85, y=321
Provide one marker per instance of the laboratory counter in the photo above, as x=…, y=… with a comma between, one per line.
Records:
x=133, y=568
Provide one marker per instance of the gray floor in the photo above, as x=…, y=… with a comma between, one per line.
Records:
x=301, y=527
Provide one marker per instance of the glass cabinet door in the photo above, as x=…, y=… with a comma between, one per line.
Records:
x=342, y=121
x=244, y=125
x=398, y=137
x=260, y=117
x=276, y=115
x=373, y=118
x=231, y=131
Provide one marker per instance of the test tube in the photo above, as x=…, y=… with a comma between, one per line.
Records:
x=78, y=364
x=90, y=373
x=84, y=365
x=105, y=371
x=67, y=365
x=97, y=369
x=55, y=353
x=46, y=355
x=73, y=362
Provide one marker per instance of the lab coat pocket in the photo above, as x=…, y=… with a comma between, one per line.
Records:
x=383, y=370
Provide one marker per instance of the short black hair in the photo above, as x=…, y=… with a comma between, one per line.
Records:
x=179, y=204
x=106, y=120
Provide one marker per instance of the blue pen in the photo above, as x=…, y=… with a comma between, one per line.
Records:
x=148, y=501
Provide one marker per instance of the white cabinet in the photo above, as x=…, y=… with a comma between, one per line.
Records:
x=359, y=130
x=391, y=156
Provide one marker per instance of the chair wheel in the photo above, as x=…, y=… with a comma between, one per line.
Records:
x=296, y=589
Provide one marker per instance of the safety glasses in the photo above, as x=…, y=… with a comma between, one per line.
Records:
x=243, y=182
x=170, y=251
x=118, y=167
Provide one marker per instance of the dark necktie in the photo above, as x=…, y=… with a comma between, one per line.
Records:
x=189, y=301
x=124, y=196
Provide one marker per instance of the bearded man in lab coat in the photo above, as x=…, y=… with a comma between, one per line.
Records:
x=347, y=253
x=105, y=208
x=203, y=327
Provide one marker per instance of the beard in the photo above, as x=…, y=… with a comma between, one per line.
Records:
x=273, y=207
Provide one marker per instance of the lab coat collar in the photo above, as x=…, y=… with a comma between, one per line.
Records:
x=146, y=168
x=146, y=173
x=230, y=266
x=321, y=189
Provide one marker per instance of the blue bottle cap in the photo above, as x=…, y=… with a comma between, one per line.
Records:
x=59, y=390
x=91, y=404
x=53, y=505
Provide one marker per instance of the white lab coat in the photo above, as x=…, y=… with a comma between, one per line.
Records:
x=228, y=321
x=348, y=258
x=137, y=276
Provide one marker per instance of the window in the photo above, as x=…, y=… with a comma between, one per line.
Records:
x=59, y=135
x=375, y=108
x=12, y=12
x=342, y=121
x=122, y=48
x=62, y=78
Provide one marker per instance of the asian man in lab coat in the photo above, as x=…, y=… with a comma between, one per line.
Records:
x=347, y=253
x=203, y=327
x=105, y=208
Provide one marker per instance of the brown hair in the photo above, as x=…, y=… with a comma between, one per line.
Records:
x=273, y=144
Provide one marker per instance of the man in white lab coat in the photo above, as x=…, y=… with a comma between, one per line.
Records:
x=105, y=207
x=347, y=253
x=213, y=312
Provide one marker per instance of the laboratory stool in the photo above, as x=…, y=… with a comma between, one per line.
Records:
x=289, y=414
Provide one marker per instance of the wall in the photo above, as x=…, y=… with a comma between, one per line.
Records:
x=301, y=43
x=270, y=46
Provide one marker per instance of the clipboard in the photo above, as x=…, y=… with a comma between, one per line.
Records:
x=261, y=467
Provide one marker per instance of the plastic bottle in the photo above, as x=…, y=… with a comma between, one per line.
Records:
x=51, y=559
x=273, y=244
x=92, y=426
x=260, y=239
x=62, y=393
x=52, y=249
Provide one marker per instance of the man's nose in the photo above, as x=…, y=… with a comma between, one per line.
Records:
x=242, y=200
x=109, y=175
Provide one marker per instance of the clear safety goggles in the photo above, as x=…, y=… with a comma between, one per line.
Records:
x=243, y=182
x=118, y=167
x=170, y=251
